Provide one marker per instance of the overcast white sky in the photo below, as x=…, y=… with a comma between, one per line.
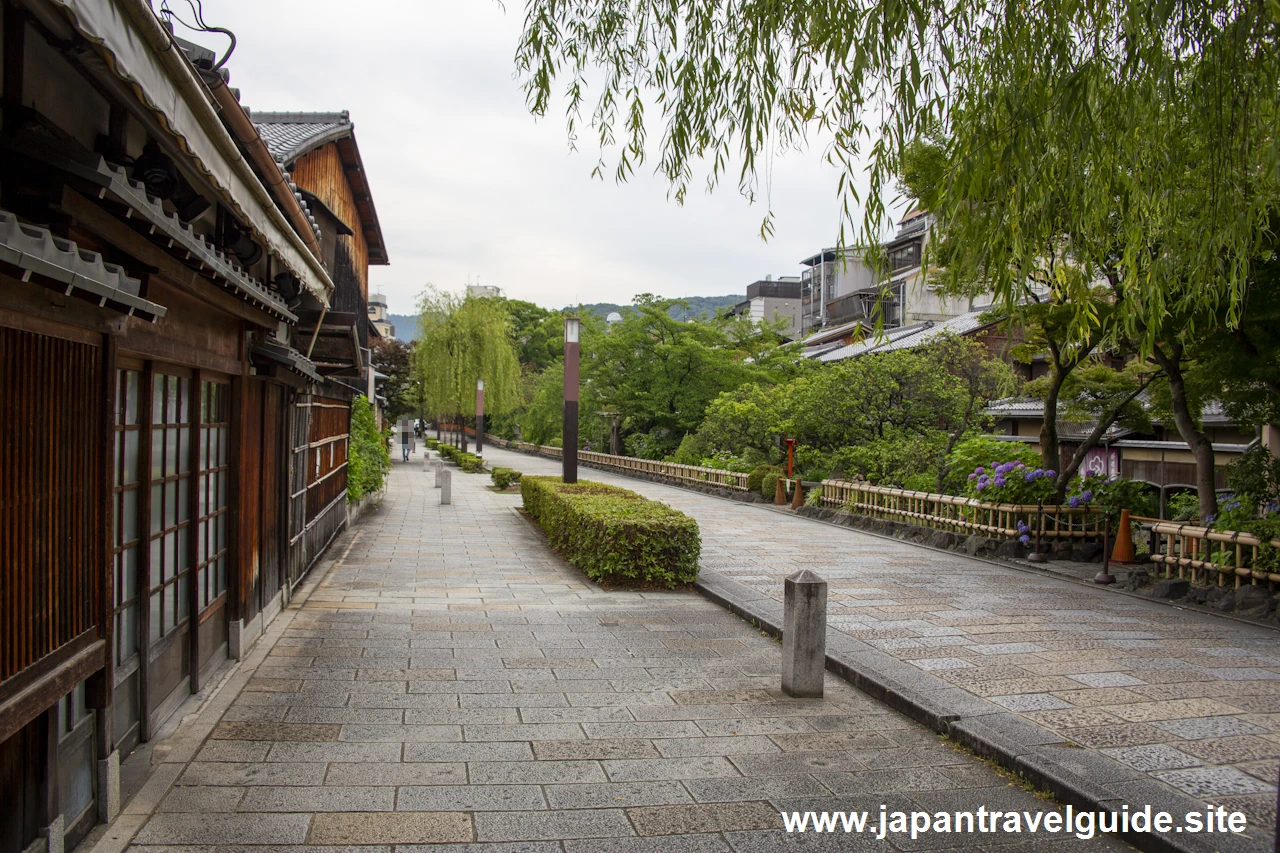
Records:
x=468, y=183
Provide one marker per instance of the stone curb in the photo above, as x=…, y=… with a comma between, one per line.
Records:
x=1079, y=777
x=812, y=514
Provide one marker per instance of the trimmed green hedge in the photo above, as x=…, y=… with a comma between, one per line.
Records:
x=503, y=477
x=432, y=444
x=769, y=485
x=470, y=463
x=614, y=535
x=755, y=479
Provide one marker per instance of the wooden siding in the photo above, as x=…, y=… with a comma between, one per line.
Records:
x=321, y=172
x=50, y=510
x=317, y=478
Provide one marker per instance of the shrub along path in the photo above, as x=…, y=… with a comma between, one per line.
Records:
x=1188, y=699
x=451, y=681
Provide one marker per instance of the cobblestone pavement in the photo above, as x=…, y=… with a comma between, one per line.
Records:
x=1191, y=699
x=451, y=682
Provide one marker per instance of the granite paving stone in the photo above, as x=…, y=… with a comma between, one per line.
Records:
x=390, y=828
x=452, y=685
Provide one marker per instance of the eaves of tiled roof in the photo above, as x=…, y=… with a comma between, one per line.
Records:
x=290, y=135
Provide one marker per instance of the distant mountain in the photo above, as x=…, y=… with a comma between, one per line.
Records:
x=699, y=306
x=406, y=326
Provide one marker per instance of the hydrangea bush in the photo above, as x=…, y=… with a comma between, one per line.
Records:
x=1010, y=482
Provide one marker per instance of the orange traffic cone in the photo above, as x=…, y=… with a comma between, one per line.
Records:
x=797, y=497
x=780, y=492
x=1123, y=551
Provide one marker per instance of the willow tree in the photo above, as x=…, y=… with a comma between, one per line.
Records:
x=460, y=341
x=737, y=80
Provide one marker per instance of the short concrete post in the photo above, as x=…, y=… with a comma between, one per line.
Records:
x=109, y=787
x=804, y=635
x=438, y=464
x=446, y=488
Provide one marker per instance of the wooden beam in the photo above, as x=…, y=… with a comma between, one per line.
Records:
x=100, y=693
x=15, y=37
x=125, y=238
x=43, y=693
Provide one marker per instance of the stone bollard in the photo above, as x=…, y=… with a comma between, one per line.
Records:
x=797, y=497
x=438, y=465
x=780, y=492
x=804, y=635
x=446, y=487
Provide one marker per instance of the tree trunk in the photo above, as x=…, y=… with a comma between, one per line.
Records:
x=1068, y=472
x=1050, y=455
x=1188, y=428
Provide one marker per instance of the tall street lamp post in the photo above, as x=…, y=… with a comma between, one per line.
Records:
x=480, y=418
x=569, y=444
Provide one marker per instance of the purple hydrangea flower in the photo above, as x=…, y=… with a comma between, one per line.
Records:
x=1051, y=473
x=1000, y=480
x=1025, y=539
x=980, y=470
x=973, y=476
x=1029, y=477
x=1087, y=496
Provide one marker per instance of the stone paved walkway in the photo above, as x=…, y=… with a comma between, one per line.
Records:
x=1191, y=699
x=451, y=682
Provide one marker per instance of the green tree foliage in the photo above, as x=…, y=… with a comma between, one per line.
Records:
x=461, y=340
x=1112, y=85
x=538, y=333
x=401, y=389
x=658, y=373
x=685, y=308
x=890, y=418
x=368, y=459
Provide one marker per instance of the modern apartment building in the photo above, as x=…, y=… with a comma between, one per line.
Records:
x=769, y=300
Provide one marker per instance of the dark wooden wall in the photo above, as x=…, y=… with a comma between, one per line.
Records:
x=50, y=513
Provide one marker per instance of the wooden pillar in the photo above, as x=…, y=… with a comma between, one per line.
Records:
x=193, y=539
x=144, y=549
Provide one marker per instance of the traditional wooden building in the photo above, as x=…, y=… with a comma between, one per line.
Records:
x=171, y=461
x=318, y=152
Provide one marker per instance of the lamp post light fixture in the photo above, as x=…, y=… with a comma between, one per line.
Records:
x=480, y=418
x=569, y=443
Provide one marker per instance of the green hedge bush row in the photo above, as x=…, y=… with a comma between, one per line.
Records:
x=432, y=443
x=468, y=462
x=503, y=477
x=755, y=479
x=614, y=535
x=769, y=485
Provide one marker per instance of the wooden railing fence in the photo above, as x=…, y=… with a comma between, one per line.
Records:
x=1209, y=556
x=957, y=514
x=691, y=474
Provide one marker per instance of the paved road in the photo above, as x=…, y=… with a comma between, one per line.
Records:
x=451, y=682
x=1191, y=699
